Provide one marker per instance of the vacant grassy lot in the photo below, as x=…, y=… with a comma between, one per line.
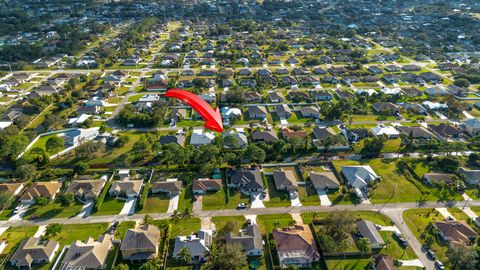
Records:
x=185, y=227
x=186, y=198
x=14, y=236
x=155, y=203
x=347, y=264
x=418, y=221
x=53, y=210
x=73, y=232
x=110, y=206
x=375, y=217
x=308, y=195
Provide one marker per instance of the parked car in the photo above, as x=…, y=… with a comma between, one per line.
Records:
x=439, y=265
x=430, y=254
x=403, y=242
x=241, y=206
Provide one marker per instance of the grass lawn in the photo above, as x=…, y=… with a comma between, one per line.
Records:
x=336, y=197
x=155, y=203
x=373, y=216
x=110, y=206
x=217, y=200
x=394, y=187
x=221, y=221
x=347, y=264
x=308, y=195
x=186, y=199
x=135, y=98
x=475, y=209
x=14, y=236
x=392, y=146
x=73, y=232
x=266, y=222
x=277, y=199
x=122, y=229
x=7, y=213
x=458, y=214
x=418, y=220
x=394, y=249
x=185, y=227
x=122, y=90
x=42, y=141
x=53, y=209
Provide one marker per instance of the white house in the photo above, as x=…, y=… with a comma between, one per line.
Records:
x=472, y=126
x=200, y=137
x=77, y=136
x=198, y=245
x=389, y=131
x=78, y=120
x=359, y=176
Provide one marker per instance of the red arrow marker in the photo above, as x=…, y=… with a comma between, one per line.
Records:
x=213, y=119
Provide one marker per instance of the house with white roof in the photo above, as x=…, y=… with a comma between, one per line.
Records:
x=228, y=113
x=388, y=131
x=434, y=105
x=391, y=91
x=198, y=245
x=78, y=120
x=359, y=176
x=199, y=137
x=77, y=136
x=149, y=98
x=472, y=126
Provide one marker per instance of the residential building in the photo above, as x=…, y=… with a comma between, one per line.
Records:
x=368, y=230
x=171, y=186
x=140, y=244
x=178, y=139
x=323, y=180
x=86, y=190
x=310, y=112
x=285, y=180
x=383, y=262
x=446, y=131
x=126, y=188
x=203, y=185
x=439, y=178
x=34, y=251
x=90, y=254
x=198, y=245
x=40, y=189
x=359, y=176
x=77, y=136
x=257, y=112
x=470, y=176
x=456, y=232
x=247, y=180
x=472, y=126
x=264, y=136
x=199, y=137
x=295, y=246
x=388, y=131
x=11, y=188
x=250, y=239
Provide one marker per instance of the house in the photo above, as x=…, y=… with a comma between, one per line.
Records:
x=140, y=244
x=90, y=254
x=417, y=133
x=250, y=239
x=295, y=246
x=446, y=132
x=126, y=188
x=47, y=90
x=287, y=134
x=170, y=186
x=5, y=124
x=282, y=110
x=11, y=188
x=86, y=190
x=326, y=135
x=275, y=97
x=368, y=230
x=388, y=131
x=33, y=251
x=359, y=176
x=439, y=178
x=199, y=137
x=375, y=69
x=178, y=139
x=321, y=95
x=161, y=85
x=355, y=134
x=323, y=180
x=77, y=136
x=257, y=112
x=310, y=112
x=240, y=139
x=472, y=177
x=386, y=107
x=264, y=136
x=203, y=185
x=436, y=91
x=285, y=180
x=198, y=245
x=231, y=113
x=76, y=121
x=40, y=189
x=411, y=92
x=472, y=126
x=434, y=105
x=456, y=232
x=383, y=262
x=178, y=114
x=248, y=180
x=252, y=96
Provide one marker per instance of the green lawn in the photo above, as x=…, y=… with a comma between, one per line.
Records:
x=392, y=146
x=347, y=264
x=308, y=195
x=266, y=222
x=110, y=206
x=14, y=236
x=42, y=141
x=475, y=209
x=53, y=210
x=276, y=198
x=185, y=227
x=394, y=249
x=155, y=203
x=221, y=221
x=375, y=217
x=418, y=220
x=394, y=187
x=122, y=229
x=217, y=200
x=458, y=214
x=135, y=98
x=186, y=198
x=73, y=232
x=336, y=197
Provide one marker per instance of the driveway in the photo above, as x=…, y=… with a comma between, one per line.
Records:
x=256, y=200
x=3, y=229
x=469, y=212
x=40, y=231
x=295, y=202
x=414, y=263
x=444, y=212
x=324, y=200
x=129, y=207
x=173, y=205
x=253, y=218
x=86, y=210
x=19, y=215
x=197, y=205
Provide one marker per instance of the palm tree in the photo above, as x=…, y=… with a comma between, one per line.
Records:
x=276, y=224
x=363, y=245
x=187, y=213
x=147, y=220
x=175, y=217
x=232, y=257
x=185, y=256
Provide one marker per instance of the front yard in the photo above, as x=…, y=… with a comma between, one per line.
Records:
x=53, y=210
x=155, y=203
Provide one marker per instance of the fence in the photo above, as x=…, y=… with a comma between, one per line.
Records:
x=42, y=135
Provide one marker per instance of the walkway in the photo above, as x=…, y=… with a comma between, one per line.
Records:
x=414, y=263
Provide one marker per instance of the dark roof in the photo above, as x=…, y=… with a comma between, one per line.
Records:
x=249, y=178
x=416, y=132
x=178, y=139
x=249, y=239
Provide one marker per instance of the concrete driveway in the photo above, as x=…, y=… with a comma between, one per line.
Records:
x=256, y=200
x=324, y=200
x=197, y=205
x=129, y=207
x=86, y=210
x=173, y=205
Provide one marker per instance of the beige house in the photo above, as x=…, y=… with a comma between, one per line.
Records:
x=34, y=251
x=40, y=189
x=127, y=188
x=88, y=255
x=85, y=190
x=140, y=244
x=11, y=188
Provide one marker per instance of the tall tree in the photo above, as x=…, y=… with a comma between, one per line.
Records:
x=184, y=256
